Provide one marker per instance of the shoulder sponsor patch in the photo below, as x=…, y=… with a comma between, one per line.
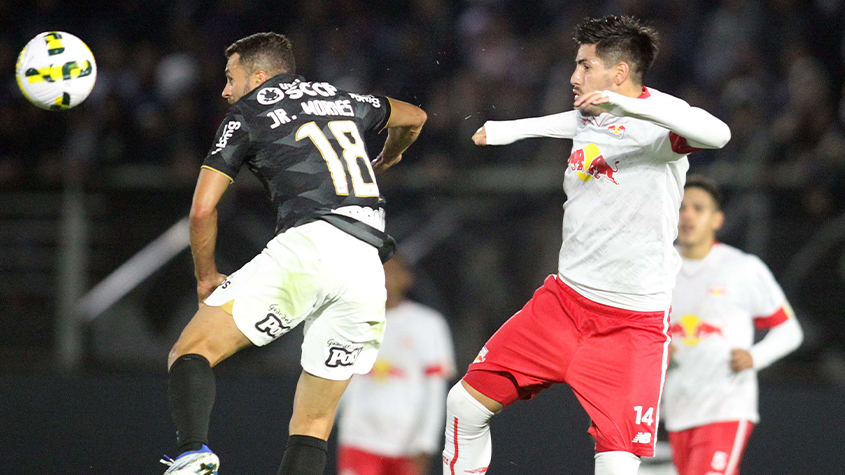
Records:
x=230, y=129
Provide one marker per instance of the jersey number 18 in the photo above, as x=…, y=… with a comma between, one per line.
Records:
x=354, y=153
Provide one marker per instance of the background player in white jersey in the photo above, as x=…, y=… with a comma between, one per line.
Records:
x=322, y=268
x=722, y=294
x=601, y=324
x=390, y=421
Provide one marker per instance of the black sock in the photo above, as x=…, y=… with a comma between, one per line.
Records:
x=191, y=393
x=304, y=455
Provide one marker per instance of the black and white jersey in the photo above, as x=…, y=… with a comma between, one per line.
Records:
x=305, y=142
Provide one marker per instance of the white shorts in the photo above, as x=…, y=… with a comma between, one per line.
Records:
x=318, y=274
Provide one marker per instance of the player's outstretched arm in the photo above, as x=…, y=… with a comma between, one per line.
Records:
x=480, y=136
x=504, y=132
x=210, y=188
x=403, y=128
x=699, y=127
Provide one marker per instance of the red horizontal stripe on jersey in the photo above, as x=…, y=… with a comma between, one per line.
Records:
x=434, y=370
x=772, y=320
x=680, y=145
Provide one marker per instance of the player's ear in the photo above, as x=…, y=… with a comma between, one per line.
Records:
x=259, y=77
x=718, y=220
x=621, y=73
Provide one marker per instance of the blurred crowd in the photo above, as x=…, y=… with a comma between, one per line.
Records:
x=772, y=69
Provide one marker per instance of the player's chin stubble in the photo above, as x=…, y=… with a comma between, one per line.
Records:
x=591, y=111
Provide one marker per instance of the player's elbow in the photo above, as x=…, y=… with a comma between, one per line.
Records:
x=202, y=211
x=405, y=115
x=716, y=137
x=392, y=161
x=419, y=117
x=798, y=337
x=723, y=135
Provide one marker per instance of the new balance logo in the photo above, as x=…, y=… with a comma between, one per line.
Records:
x=642, y=438
x=477, y=470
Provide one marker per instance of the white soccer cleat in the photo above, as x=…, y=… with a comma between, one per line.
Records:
x=196, y=462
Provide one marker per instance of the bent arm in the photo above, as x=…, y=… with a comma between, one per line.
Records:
x=699, y=127
x=504, y=132
x=403, y=127
x=778, y=342
x=211, y=185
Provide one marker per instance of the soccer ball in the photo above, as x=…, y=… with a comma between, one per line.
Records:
x=56, y=71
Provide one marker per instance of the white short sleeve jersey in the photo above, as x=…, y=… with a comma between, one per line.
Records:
x=398, y=408
x=717, y=303
x=624, y=183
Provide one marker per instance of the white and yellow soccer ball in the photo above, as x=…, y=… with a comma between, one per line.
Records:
x=56, y=70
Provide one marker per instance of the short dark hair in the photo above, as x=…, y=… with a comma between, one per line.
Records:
x=269, y=52
x=707, y=184
x=620, y=38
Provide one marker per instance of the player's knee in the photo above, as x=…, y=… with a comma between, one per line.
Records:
x=172, y=357
x=453, y=399
x=458, y=398
x=199, y=346
x=215, y=343
x=178, y=351
x=316, y=423
x=460, y=403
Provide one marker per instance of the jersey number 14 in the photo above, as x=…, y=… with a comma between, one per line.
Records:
x=354, y=154
x=647, y=418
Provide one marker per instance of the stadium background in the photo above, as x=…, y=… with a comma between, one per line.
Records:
x=82, y=382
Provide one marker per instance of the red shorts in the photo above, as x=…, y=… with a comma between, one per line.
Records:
x=352, y=461
x=712, y=449
x=614, y=360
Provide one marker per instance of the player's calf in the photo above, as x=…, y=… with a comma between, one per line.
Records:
x=468, y=446
x=617, y=463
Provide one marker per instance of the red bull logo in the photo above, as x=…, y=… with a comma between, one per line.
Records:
x=717, y=291
x=691, y=330
x=618, y=131
x=383, y=370
x=482, y=355
x=588, y=163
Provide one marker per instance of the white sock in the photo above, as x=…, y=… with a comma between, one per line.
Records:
x=617, y=463
x=468, y=445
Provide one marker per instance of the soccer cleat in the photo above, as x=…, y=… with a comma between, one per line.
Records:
x=195, y=462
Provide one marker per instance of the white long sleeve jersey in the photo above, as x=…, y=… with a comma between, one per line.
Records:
x=718, y=302
x=624, y=183
x=398, y=408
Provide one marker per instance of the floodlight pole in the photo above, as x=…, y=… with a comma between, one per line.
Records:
x=71, y=273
